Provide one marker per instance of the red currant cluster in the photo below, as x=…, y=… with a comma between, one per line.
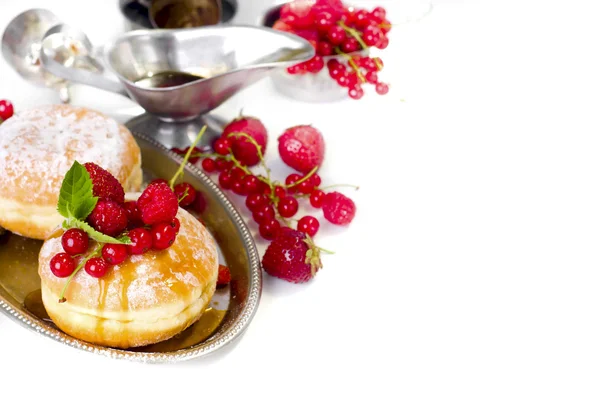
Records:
x=270, y=202
x=6, y=110
x=346, y=33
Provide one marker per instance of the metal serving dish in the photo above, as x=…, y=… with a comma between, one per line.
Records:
x=232, y=307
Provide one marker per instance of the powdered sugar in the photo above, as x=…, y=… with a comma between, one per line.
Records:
x=38, y=146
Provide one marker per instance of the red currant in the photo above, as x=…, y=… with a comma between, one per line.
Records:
x=141, y=240
x=134, y=216
x=336, y=35
x=316, y=198
x=378, y=14
x=315, y=180
x=333, y=63
x=75, y=241
x=237, y=186
x=356, y=92
x=225, y=180
x=362, y=19
x=350, y=45
x=186, y=194
x=292, y=179
x=377, y=61
x=324, y=48
x=315, y=64
x=96, y=267
x=279, y=191
x=308, y=225
x=343, y=80
x=237, y=174
x=209, y=165
x=223, y=164
x=255, y=201
x=306, y=186
x=251, y=184
x=323, y=21
x=6, y=109
x=163, y=235
x=221, y=146
x=264, y=213
x=114, y=254
x=176, y=224
x=371, y=77
x=383, y=43
x=287, y=206
x=62, y=265
x=386, y=26
x=382, y=88
x=268, y=229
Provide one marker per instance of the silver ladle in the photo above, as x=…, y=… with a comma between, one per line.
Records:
x=214, y=62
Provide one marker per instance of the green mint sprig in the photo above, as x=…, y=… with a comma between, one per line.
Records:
x=76, y=201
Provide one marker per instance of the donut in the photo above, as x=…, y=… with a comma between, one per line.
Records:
x=37, y=147
x=147, y=299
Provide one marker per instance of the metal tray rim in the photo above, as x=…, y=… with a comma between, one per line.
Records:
x=234, y=331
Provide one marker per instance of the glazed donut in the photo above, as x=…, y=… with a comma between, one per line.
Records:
x=37, y=148
x=146, y=299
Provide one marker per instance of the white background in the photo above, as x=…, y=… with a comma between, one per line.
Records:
x=472, y=267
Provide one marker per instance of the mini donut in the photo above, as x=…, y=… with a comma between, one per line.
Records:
x=37, y=148
x=148, y=298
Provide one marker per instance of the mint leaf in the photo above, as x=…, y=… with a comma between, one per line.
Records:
x=95, y=235
x=76, y=198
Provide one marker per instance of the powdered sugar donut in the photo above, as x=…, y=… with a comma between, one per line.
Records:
x=37, y=148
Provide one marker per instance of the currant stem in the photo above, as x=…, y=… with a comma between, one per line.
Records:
x=354, y=33
x=81, y=264
x=306, y=177
x=187, y=157
x=352, y=64
x=356, y=187
x=325, y=250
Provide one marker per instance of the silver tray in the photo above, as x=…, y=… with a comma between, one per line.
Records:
x=235, y=305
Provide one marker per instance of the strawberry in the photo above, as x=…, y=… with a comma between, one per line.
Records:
x=106, y=186
x=108, y=217
x=302, y=148
x=243, y=149
x=292, y=256
x=158, y=203
x=224, y=276
x=338, y=209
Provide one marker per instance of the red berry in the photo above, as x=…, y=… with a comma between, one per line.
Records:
x=291, y=180
x=134, y=216
x=186, y=193
x=108, y=217
x=141, y=239
x=315, y=64
x=287, y=206
x=288, y=257
x=333, y=63
x=265, y=188
x=356, y=92
x=158, y=203
x=302, y=148
x=263, y=213
x=378, y=14
x=306, y=186
x=223, y=164
x=308, y=225
x=324, y=48
x=350, y=45
x=255, y=201
x=251, y=184
x=224, y=276
x=268, y=229
x=371, y=77
x=316, y=198
x=221, y=146
x=6, y=110
x=209, y=165
x=225, y=179
x=163, y=235
x=336, y=35
x=238, y=187
x=62, y=265
x=199, y=204
x=344, y=79
x=382, y=88
x=378, y=61
x=386, y=26
x=237, y=174
x=361, y=19
x=323, y=21
x=105, y=185
x=176, y=225
x=75, y=241
x=315, y=180
x=114, y=254
x=244, y=149
x=383, y=43
x=96, y=267
x=338, y=209
x=298, y=14
x=280, y=191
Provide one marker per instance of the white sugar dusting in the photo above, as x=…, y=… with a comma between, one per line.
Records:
x=43, y=143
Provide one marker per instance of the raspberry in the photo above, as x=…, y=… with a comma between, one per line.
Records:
x=338, y=209
x=158, y=203
x=108, y=217
x=224, y=276
x=106, y=186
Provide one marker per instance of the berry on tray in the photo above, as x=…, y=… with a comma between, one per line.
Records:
x=158, y=203
x=106, y=186
x=302, y=148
